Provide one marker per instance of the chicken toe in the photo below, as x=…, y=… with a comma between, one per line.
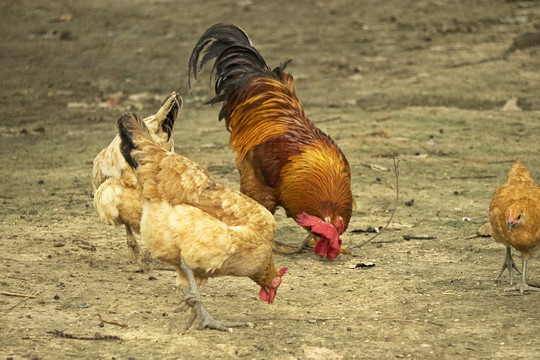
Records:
x=201, y=319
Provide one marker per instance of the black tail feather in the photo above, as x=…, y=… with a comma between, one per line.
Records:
x=126, y=125
x=174, y=102
x=222, y=36
x=236, y=59
x=280, y=70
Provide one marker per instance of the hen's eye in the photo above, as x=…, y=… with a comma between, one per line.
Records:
x=519, y=217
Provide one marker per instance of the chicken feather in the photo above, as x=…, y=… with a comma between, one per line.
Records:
x=117, y=196
x=198, y=226
x=514, y=214
x=280, y=154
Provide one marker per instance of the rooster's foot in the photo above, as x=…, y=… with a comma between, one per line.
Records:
x=285, y=249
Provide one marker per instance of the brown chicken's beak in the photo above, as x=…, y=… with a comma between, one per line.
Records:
x=511, y=225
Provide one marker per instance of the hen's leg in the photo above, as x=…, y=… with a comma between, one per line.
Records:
x=133, y=247
x=508, y=264
x=134, y=251
x=200, y=316
x=523, y=286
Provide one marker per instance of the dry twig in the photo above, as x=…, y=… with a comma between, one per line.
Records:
x=97, y=336
x=112, y=322
x=24, y=298
x=418, y=237
x=17, y=294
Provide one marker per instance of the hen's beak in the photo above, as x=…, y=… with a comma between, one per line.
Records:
x=511, y=225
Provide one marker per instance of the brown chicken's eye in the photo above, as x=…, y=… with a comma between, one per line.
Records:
x=519, y=217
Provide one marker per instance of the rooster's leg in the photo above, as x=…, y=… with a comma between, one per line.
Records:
x=134, y=251
x=508, y=264
x=309, y=240
x=200, y=316
x=523, y=286
x=284, y=249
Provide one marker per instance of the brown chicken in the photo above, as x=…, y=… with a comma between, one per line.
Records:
x=283, y=158
x=117, y=199
x=514, y=214
x=196, y=225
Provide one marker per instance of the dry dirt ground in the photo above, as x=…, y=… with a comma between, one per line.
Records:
x=423, y=79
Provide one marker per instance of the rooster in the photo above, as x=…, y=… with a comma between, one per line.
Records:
x=117, y=199
x=198, y=226
x=282, y=157
x=514, y=214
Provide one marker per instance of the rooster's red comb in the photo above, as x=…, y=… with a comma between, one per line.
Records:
x=307, y=220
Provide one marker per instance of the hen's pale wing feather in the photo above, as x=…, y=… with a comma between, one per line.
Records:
x=208, y=245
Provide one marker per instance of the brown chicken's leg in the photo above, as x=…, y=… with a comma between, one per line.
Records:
x=508, y=264
x=134, y=251
x=523, y=286
x=199, y=315
x=285, y=249
x=309, y=240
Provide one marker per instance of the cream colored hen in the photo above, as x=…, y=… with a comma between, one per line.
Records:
x=117, y=197
x=514, y=214
x=198, y=226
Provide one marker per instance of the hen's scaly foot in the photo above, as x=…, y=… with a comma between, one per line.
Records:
x=522, y=288
x=200, y=318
